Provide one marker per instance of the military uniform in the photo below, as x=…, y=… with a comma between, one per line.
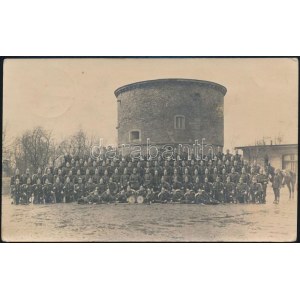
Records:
x=242, y=192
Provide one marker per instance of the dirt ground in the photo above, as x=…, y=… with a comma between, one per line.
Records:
x=156, y=222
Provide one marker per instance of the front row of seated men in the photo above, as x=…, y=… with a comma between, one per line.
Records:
x=187, y=192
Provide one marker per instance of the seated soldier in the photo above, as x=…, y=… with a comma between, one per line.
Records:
x=141, y=192
x=150, y=196
x=94, y=197
x=256, y=191
x=242, y=191
x=107, y=197
x=218, y=190
x=200, y=197
x=90, y=186
x=229, y=191
x=113, y=186
x=164, y=196
x=101, y=186
x=121, y=197
x=130, y=192
x=189, y=196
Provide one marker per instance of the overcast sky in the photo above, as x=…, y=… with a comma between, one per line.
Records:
x=67, y=94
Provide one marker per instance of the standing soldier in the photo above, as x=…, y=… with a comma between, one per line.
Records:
x=263, y=180
x=218, y=190
x=38, y=192
x=147, y=179
x=134, y=180
x=68, y=191
x=16, y=192
x=124, y=180
x=25, y=176
x=37, y=176
x=27, y=191
x=58, y=190
x=229, y=191
x=276, y=184
x=79, y=191
x=48, y=191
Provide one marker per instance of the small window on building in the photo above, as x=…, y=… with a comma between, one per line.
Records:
x=179, y=122
x=135, y=136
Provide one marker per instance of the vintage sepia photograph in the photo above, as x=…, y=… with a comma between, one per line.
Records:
x=150, y=149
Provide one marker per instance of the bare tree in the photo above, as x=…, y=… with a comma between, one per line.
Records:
x=33, y=149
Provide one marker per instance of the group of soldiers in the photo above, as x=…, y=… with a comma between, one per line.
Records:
x=222, y=178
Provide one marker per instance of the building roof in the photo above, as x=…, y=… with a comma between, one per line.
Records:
x=141, y=84
x=268, y=146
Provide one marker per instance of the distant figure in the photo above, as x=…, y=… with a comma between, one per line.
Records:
x=289, y=180
x=276, y=184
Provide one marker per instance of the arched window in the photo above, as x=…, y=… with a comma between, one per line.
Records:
x=179, y=122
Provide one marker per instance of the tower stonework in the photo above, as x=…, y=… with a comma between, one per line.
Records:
x=171, y=111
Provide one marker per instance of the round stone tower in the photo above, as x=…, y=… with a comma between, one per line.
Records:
x=171, y=111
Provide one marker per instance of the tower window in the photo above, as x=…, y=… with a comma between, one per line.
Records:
x=135, y=136
x=179, y=122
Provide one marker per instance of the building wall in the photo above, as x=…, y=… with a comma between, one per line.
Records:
x=275, y=154
x=152, y=105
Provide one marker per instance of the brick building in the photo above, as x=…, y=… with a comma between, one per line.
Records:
x=171, y=111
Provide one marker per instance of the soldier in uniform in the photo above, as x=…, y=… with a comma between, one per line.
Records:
x=37, y=175
x=206, y=190
x=263, y=180
x=58, y=190
x=218, y=190
x=26, y=191
x=134, y=180
x=124, y=180
x=121, y=197
x=113, y=186
x=242, y=191
x=90, y=186
x=101, y=186
x=79, y=191
x=147, y=179
x=150, y=196
x=106, y=197
x=68, y=191
x=256, y=191
x=276, y=184
x=94, y=197
x=229, y=191
x=16, y=192
x=189, y=196
x=38, y=192
x=48, y=191
x=164, y=196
